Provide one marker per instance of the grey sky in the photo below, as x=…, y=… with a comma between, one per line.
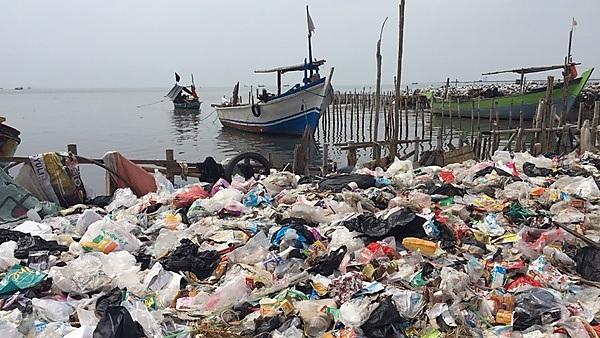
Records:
x=123, y=43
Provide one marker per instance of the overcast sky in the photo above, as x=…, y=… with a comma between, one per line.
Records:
x=126, y=43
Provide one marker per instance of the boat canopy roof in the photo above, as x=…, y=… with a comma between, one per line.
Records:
x=176, y=90
x=294, y=68
x=2, y=119
x=172, y=94
x=529, y=70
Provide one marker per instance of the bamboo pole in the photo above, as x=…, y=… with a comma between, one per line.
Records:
x=595, y=123
x=399, y=64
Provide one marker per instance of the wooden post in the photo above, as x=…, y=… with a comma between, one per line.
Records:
x=519, y=144
x=579, y=116
x=325, y=162
x=472, y=119
x=170, y=157
x=364, y=111
x=351, y=115
x=72, y=148
x=595, y=123
x=399, y=66
x=377, y=151
x=278, y=82
x=548, y=114
x=351, y=156
x=417, y=150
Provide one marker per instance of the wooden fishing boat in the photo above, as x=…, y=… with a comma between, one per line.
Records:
x=9, y=139
x=184, y=97
x=289, y=112
x=510, y=106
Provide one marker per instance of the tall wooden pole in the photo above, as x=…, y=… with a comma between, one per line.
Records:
x=399, y=67
x=378, y=85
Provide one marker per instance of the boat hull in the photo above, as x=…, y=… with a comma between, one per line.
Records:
x=9, y=140
x=188, y=105
x=510, y=107
x=287, y=114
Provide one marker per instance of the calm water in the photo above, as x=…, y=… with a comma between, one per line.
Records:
x=139, y=125
x=126, y=120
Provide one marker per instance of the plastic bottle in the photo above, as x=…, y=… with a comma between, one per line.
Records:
x=316, y=321
x=275, y=259
x=427, y=248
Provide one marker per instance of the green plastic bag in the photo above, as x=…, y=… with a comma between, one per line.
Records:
x=20, y=278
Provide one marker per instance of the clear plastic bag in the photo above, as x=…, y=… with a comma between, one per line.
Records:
x=51, y=310
x=253, y=252
x=80, y=276
x=356, y=312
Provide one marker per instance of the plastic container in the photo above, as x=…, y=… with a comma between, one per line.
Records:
x=426, y=247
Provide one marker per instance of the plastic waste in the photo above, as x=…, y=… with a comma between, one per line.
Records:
x=233, y=291
x=408, y=303
x=20, y=278
x=51, y=310
x=316, y=321
x=220, y=199
x=7, y=255
x=108, y=236
x=163, y=185
x=85, y=220
x=384, y=321
x=426, y=247
x=117, y=323
x=536, y=306
x=253, y=252
x=588, y=263
x=122, y=198
x=190, y=195
x=489, y=226
x=80, y=276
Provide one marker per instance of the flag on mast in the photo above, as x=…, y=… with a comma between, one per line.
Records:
x=177, y=77
x=310, y=23
x=574, y=23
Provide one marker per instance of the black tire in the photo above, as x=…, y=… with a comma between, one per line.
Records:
x=233, y=164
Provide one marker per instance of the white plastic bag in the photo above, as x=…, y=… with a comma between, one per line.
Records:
x=356, y=312
x=220, y=199
x=399, y=167
x=122, y=268
x=51, y=310
x=34, y=228
x=122, y=198
x=81, y=276
x=108, y=236
x=85, y=220
x=163, y=185
x=7, y=255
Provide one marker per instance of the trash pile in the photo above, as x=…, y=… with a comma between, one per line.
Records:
x=467, y=92
x=505, y=248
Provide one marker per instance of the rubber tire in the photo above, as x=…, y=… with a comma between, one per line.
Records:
x=241, y=157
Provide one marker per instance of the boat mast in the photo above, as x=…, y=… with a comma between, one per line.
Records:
x=566, y=77
x=310, y=27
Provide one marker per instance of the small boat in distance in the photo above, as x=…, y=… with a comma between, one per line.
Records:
x=9, y=139
x=286, y=113
x=184, y=97
x=18, y=88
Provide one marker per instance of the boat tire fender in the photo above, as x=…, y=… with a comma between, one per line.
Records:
x=256, y=110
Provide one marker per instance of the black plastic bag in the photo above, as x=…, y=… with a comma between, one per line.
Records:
x=384, y=322
x=532, y=171
x=340, y=182
x=27, y=243
x=446, y=189
x=117, y=323
x=326, y=265
x=112, y=298
x=588, y=263
x=535, y=306
x=186, y=257
x=488, y=170
x=403, y=223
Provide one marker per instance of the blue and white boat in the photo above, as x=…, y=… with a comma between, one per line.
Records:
x=286, y=113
